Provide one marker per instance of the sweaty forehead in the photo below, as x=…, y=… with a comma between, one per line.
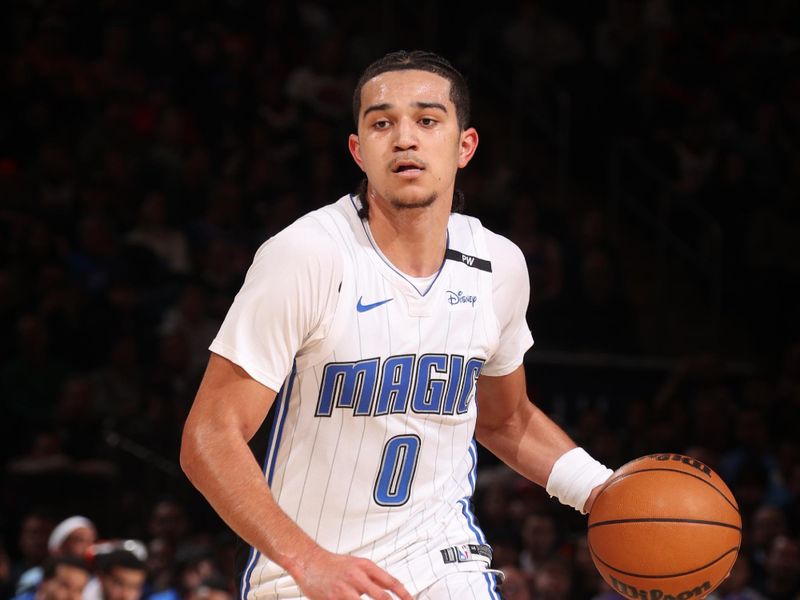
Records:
x=405, y=87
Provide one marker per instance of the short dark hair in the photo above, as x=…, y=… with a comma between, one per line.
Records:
x=419, y=60
x=52, y=563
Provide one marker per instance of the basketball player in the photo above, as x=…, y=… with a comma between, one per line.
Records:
x=388, y=334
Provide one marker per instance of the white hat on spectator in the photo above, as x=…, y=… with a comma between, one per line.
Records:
x=63, y=530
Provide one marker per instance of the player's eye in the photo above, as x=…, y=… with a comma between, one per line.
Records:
x=427, y=121
x=381, y=124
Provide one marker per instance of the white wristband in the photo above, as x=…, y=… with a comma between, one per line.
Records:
x=575, y=474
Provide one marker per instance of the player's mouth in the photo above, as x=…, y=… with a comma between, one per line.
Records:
x=407, y=168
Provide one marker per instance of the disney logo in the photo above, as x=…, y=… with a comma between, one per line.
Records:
x=459, y=297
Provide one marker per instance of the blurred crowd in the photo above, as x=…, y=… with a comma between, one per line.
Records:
x=67, y=560
x=147, y=149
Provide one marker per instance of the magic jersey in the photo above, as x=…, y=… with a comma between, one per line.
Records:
x=371, y=448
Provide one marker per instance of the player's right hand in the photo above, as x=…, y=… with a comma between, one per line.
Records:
x=324, y=575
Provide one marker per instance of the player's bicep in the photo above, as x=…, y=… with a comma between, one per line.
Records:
x=229, y=399
x=501, y=400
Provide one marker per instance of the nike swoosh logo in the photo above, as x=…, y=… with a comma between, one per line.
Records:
x=365, y=307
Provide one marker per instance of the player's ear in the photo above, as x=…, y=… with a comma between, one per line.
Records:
x=355, y=150
x=469, y=143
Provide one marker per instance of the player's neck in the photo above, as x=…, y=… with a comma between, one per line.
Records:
x=414, y=240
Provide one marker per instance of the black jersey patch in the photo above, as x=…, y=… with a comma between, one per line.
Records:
x=471, y=261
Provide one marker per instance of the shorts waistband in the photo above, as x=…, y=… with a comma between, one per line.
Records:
x=467, y=553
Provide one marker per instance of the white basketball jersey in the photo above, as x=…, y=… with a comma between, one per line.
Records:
x=371, y=450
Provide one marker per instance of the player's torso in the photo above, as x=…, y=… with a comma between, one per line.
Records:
x=372, y=444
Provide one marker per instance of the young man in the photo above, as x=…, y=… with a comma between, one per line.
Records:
x=63, y=578
x=367, y=324
x=121, y=576
x=71, y=537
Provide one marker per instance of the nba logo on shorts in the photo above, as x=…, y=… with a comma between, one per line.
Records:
x=463, y=553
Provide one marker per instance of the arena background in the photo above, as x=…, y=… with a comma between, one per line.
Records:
x=645, y=155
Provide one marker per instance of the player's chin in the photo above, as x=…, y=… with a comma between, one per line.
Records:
x=405, y=193
x=409, y=201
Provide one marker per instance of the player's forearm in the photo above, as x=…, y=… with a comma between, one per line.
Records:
x=220, y=465
x=528, y=441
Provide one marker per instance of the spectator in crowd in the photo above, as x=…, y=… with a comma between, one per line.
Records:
x=194, y=564
x=554, y=580
x=154, y=233
x=588, y=582
x=35, y=530
x=539, y=540
x=604, y=316
x=121, y=575
x=33, y=374
x=168, y=520
x=738, y=585
x=515, y=584
x=71, y=537
x=63, y=578
x=191, y=318
x=212, y=588
x=767, y=524
x=781, y=578
x=160, y=566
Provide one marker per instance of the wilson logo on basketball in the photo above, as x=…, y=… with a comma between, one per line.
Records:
x=631, y=591
x=687, y=460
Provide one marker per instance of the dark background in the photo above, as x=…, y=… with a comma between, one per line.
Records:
x=644, y=155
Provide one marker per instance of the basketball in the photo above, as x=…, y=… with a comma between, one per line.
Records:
x=665, y=527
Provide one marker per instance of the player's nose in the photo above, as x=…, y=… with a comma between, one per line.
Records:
x=405, y=135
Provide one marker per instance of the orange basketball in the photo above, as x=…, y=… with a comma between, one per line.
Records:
x=666, y=527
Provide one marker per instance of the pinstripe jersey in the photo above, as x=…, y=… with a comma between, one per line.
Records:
x=371, y=449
